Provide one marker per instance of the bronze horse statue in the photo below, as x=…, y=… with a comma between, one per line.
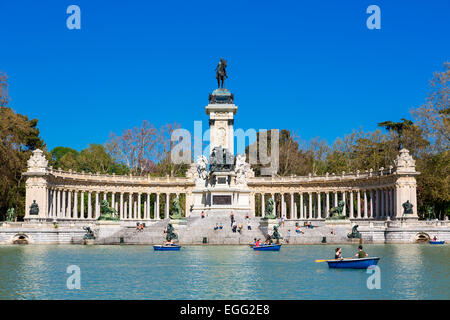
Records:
x=221, y=73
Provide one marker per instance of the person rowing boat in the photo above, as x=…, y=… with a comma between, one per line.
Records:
x=338, y=254
x=361, y=254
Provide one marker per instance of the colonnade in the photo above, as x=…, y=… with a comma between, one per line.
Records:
x=368, y=203
x=80, y=204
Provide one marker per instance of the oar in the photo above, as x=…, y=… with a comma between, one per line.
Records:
x=332, y=259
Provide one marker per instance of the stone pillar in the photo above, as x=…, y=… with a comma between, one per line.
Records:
x=64, y=204
x=358, y=201
x=58, y=203
x=135, y=208
x=105, y=195
x=371, y=205
x=377, y=204
x=283, y=206
x=352, y=211
x=382, y=203
x=302, y=214
x=335, y=199
x=366, y=213
x=97, y=205
x=292, y=209
x=148, y=206
x=166, y=211
x=344, y=209
x=121, y=207
x=327, y=213
x=75, y=204
x=82, y=205
x=36, y=186
x=113, y=200
x=319, y=207
x=89, y=205
x=310, y=205
x=54, y=211
x=69, y=204
x=130, y=205
x=263, y=205
x=157, y=215
x=139, y=206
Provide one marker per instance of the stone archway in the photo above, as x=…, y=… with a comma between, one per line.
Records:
x=20, y=238
x=421, y=237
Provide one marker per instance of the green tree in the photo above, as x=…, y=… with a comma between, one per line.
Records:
x=18, y=137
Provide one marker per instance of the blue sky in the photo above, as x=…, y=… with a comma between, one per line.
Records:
x=309, y=66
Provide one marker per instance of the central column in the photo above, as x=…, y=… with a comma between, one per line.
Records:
x=221, y=111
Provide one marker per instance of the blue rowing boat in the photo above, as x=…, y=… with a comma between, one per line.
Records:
x=172, y=247
x=436, y=242
x=362, y=263
x=267, y=247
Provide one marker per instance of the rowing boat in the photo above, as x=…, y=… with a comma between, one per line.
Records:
x=362, y=263
x=267, y=247
x=436, y=242
x=172, y=247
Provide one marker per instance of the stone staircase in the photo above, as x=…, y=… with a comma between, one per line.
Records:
x=195, y=229
x=198, y=228
x=333, y=234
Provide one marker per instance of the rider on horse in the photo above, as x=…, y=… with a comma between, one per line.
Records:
x=221, y=73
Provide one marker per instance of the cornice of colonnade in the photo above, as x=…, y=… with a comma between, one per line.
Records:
x=368, y=180
x=76, y=181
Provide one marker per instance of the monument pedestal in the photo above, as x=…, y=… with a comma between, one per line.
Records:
x=266, y=225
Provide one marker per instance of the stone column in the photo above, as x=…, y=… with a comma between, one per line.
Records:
x=283, y=206
x=89, y=207
x=105, y=195
x=263, y=205
x=310, y=205
x=75, y=205
x=319, y=208
x=377, y=204
x=139, y=206
x=49, y=202
x=97, y=205
x=113, y=200
x=382, y=203
x=82, y=205
x=292, y=210
x=157, y=215
x=366, y=213
x=121, y=215
x=358, y=201
x=335, y=199
x=149, y=196
x=274, y=204
x=344, y=209
x=371, y=205
x=390, y=201
x=130, y=205
x=69, y=204
x=166, y=211
x=352, y=211
x=302, y=214
x=64, y=204
x=327, y=213
x=54, y=212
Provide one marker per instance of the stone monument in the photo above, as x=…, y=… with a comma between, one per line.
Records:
x=222, y=187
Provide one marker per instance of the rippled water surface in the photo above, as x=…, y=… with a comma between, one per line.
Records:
x=220, y=272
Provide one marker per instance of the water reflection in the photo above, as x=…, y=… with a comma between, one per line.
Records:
x=219, y=272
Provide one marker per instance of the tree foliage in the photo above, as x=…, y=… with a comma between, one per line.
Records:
x=18, y=137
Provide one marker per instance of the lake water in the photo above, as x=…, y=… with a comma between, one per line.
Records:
x=220, y=272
